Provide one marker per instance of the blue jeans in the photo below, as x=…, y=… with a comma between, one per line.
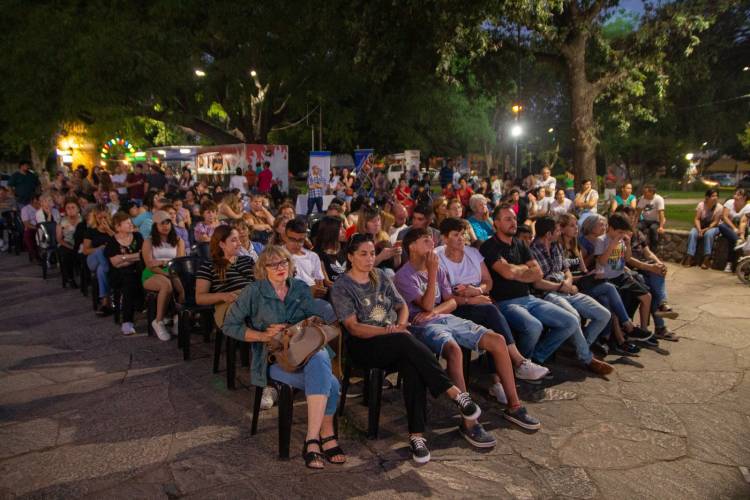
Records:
x=528, y=316
x=324, y=310
x=732, y=237
x=607, y=295
x=313, y=202
x=316, y=378
x=658, y=285
x=584, y=307
x=99, y=264
x=708, y=241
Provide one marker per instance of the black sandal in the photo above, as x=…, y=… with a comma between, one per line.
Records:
x=332, y=452
x=311, y=456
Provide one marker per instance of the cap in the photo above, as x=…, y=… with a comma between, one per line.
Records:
x=160, y=216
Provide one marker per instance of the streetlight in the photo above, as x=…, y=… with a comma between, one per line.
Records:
x=704, y=144
x=253, y=73
x=746, y=68
x=200, y=73
x=515, y=131
x=550, y=130
x=689, y=156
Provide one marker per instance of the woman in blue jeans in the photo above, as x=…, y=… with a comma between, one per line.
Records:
x=601, y=290
x=265, y=308
x=98, y=234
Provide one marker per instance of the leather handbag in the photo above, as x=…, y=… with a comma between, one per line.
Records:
x=294, y=346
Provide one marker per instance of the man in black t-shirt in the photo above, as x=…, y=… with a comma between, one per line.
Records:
x=513, y=270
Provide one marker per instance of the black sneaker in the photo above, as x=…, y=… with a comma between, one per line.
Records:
x=624, y=349
x=419, y=451
x=638, y=333
x=477, y=436
x=469, y=409
x=522, y=419
x=650, y=342
x=599, y=350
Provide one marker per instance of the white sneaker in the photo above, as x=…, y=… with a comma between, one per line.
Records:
x=127, y=328
x=739, y=245
x=497, y=392
x=728, y=267
x=530, y=371
x=161, y=330
x=270, y=395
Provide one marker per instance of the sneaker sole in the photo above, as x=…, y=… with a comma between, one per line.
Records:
x=521, y=424
x=531, y=379
x=476, y=444
x=667, y=314
x=474, y=415
x=642, y=339
x=421, y=460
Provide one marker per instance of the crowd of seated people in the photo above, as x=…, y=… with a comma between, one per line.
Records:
x=511, y=270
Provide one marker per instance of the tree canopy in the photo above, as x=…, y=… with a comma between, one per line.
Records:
x=436, y=76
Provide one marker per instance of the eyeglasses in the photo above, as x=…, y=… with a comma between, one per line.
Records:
x=282, y=264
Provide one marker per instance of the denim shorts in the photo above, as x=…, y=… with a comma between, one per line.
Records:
x=440, y=331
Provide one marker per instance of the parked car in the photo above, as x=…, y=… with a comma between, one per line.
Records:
x=724, y=179
x=744, y=182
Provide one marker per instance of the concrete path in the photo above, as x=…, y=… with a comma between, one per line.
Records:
x=85, y=412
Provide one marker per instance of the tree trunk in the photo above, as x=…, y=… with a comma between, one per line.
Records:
x=582, y=96
x=38, y=157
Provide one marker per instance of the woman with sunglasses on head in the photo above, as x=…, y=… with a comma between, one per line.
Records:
x=163, y=246
x=265, y=308
x=99, y=231
x=376, y=317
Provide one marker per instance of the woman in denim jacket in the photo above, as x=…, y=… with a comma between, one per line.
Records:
x=266, y=307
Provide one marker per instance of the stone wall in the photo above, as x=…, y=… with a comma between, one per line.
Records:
x=673, y=244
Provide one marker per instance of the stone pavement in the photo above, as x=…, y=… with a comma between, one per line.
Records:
x=85, y=412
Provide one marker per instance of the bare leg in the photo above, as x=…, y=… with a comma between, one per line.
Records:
x=645, y=310
x=495, y=345
x=316, y=405
x=326, y=429
x=453, y=355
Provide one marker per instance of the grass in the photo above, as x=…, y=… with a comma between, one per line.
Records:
x=680, y=216
x=723, y=193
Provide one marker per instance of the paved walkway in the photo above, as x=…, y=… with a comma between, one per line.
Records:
x=85, y=412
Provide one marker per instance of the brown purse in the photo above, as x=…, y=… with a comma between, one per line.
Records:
x=295, y=345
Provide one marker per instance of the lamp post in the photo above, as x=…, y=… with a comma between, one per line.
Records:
x=516, y=131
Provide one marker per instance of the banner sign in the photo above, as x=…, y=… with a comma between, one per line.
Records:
x=363, y=164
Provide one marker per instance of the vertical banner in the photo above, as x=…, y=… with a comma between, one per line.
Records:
x=363, y=164
x=362, y=156
x=411, y=158
x=277, y=155
x=321, y=159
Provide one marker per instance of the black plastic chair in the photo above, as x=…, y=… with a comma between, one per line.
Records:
x=286, y=412
x=14, y=226
x=372, y=393
x=183, y=269
x=46, y=243
x=202, y=250
x=231, y=350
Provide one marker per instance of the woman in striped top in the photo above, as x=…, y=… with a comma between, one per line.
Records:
x=221, y=279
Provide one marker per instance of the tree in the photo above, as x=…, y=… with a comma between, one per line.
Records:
x=597, y=64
